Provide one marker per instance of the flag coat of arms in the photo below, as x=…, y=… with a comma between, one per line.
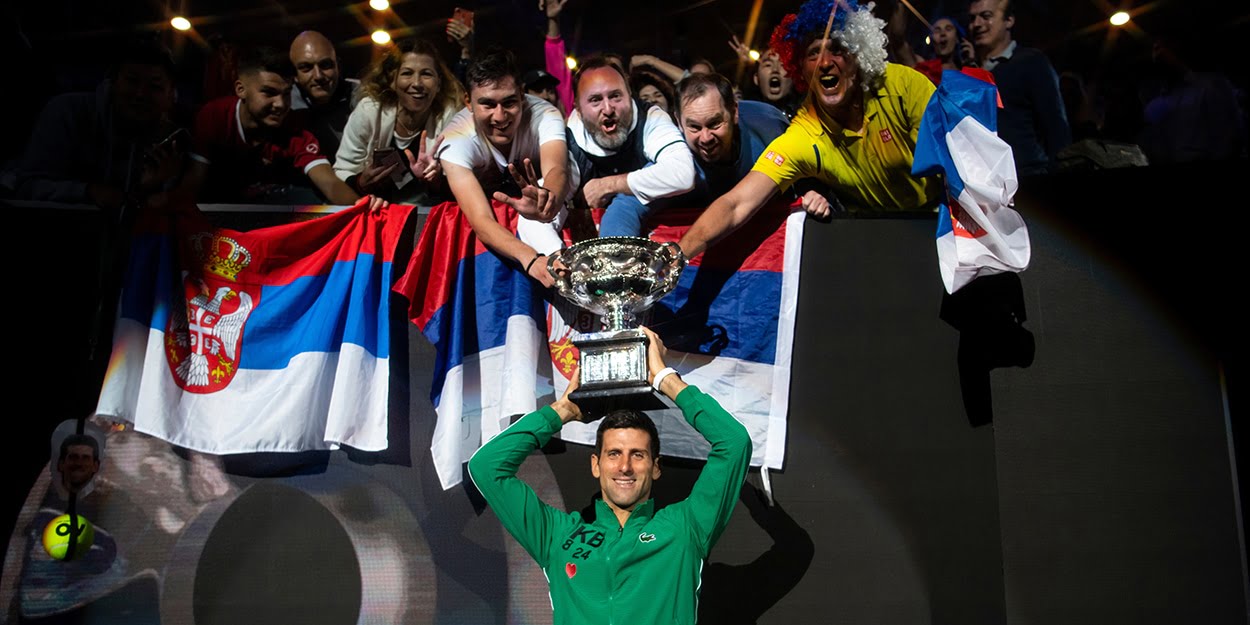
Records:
x=501, y=343
x=978, y=232
x=270, y=340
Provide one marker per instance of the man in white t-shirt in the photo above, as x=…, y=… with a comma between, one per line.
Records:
x=512, y=145
x=628, y=153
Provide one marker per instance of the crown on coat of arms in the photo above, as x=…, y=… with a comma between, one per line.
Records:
x=221, y=255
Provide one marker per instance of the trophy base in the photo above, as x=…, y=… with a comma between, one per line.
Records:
x=594, y=403
x=614, y=374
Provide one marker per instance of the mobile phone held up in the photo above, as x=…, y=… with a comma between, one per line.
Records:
x=385, y=157
x=464, y=16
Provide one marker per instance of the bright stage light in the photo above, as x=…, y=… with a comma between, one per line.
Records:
x=754, y=54
x=1120, y=18
x=380, y=37
x=379, y=5
x=571, y=62
x=927, y=41
x=180, y=23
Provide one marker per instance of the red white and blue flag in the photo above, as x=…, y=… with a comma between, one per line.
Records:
x=501, y=346
x=270, y=340
x=483, y=315
x=978, y=232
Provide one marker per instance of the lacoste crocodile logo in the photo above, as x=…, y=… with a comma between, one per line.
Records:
x=645, y=537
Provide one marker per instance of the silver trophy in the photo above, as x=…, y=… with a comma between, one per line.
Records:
x=617, y=278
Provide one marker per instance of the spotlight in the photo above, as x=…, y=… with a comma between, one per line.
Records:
x=571, y=62
x=380, y=37
x=927, y=40
x=1120, y=18
x=754, y=54
x=180, y=23
x=379, y=5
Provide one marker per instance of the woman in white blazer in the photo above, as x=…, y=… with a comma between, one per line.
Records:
x=392, y=134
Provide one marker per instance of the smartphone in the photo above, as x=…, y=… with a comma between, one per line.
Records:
x=465, y=16
x=385, y=157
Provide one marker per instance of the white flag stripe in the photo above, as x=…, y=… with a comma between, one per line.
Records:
x=348, y=390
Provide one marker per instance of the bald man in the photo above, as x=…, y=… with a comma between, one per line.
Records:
x=324, y=100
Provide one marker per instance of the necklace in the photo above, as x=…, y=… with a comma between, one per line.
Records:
x=402, y=129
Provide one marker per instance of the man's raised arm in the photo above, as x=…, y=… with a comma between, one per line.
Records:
x=728, y=212
x=472, y=200
x=715, y=493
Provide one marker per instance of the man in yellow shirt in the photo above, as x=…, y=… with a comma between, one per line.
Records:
x=856, y=131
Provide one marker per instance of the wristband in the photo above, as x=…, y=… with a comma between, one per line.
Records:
x=531, y=263
x=659, y=377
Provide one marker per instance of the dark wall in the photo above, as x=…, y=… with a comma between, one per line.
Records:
x=1101, y=492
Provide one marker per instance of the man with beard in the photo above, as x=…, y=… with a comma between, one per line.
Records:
x=512, y=144
x=620, y=560
x=246, y=149
x=324, y=100
x=628, y=153
x=78, y=462
x=856, y=132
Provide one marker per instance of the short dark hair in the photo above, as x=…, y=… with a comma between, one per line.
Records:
x=695, y=85
x=80, y=439
x=640, y=78
x=598, y=61
x=628, y=419
x=491, y=67
x=266, y=59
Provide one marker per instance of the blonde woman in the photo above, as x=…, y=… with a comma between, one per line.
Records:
x=393, y=133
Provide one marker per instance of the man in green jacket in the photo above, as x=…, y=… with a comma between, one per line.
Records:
x=627, y=562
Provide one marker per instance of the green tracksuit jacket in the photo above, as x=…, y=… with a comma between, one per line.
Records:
x=645, y=573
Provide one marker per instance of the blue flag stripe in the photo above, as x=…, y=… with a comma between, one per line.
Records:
x=306, y=315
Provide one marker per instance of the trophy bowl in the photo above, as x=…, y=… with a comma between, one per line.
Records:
x=616, y=278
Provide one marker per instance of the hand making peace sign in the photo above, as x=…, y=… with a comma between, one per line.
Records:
x=425, y=165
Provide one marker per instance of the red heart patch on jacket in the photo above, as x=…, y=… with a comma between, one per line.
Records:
x=570, y=569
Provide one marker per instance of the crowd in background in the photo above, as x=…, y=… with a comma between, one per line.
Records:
x=288, y=123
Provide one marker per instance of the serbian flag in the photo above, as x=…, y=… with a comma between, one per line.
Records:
x=503, y=344
x=978, y=232
x=270, y=340
x=728, y=327
x=485, y=318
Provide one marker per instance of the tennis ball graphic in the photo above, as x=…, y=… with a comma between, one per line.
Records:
x=58, y=534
